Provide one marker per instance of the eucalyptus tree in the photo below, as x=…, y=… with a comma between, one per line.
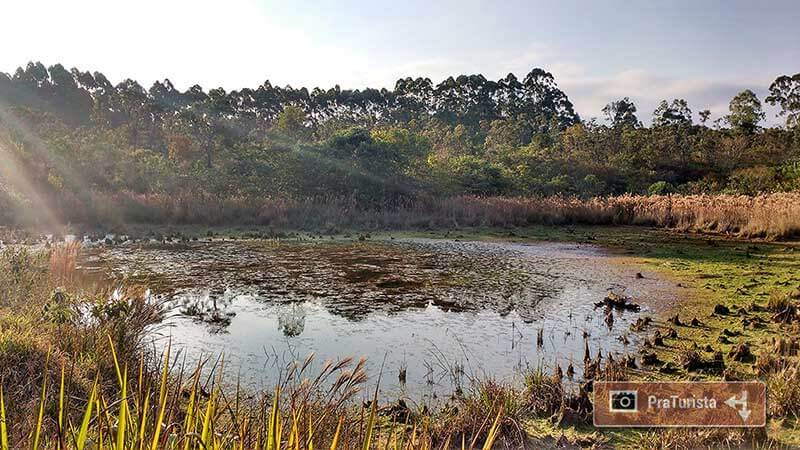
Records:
x=704, y=116
x=544, y=103
x=672, y=122
x=676, y=112
x=745, y=112
x=785, y=91
x=622, y=113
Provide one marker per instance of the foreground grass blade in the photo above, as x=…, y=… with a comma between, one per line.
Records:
x=373, y=412
x=446, y=445
x=207, y=419
x=61, y=410
x=122, y=420
x=310, y=442
x=99, y=420
x=3, y=429
x=83, y=433
x=275, y=424
x=493, y=432
x=189, y=424
x=116, y=361
x=162, y=400
x=335, y=441
x=143, y=424
x=370, y=426
x=37, y=434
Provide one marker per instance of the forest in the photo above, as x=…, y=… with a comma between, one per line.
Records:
x=87, y=151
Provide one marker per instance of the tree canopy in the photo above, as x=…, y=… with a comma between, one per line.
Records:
x=745, y=112
x=622, y=113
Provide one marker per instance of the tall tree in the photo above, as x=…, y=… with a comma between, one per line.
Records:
x=675, y=113
x=548, y=105
x=292, y=123
x=704, y=116
x=785, y=91
x=745, y=112
x=622, y=113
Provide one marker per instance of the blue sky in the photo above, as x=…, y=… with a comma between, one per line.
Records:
x=704, y=51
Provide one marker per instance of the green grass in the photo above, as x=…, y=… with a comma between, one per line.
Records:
x=706, y=270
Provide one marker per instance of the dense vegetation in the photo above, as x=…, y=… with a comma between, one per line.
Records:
x=84, y=150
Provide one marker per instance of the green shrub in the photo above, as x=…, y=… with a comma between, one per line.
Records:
x=592, y=185
x=753, y=180
x=660, y=188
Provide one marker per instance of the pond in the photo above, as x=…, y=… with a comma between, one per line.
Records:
x=439, y=312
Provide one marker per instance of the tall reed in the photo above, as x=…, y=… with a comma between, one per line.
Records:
x=193, y=410
x=769, y=215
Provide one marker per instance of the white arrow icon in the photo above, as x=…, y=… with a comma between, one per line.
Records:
x=734, y=402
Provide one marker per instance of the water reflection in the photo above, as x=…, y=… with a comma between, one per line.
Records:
x=211, y=306
x=292, y=320
x=438, y=312
x=351, y=279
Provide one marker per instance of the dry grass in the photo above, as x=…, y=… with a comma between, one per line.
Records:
x=22, y=275
x=139, y=407
x=469, y=417
x=779, y=301
x=772, y=216
x=784, y=391
x=693, y=438
x=63, y=262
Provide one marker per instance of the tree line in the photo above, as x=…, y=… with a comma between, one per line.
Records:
x=75, y=133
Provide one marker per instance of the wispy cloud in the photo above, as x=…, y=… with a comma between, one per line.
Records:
x=647, y=89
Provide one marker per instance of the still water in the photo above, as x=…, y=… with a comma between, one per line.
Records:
x=441, y=311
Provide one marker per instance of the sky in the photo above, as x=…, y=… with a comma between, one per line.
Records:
x=599, y=51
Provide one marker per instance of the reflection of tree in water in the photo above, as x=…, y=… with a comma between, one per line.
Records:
x=292, y=320
x=210, y=306
x=353, y=280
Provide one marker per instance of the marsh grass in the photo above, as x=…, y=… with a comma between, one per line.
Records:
x=772, y=216
x=780, y=301
x=691, y=438
x=784, y=391
x=140, y=409
x=64, y=261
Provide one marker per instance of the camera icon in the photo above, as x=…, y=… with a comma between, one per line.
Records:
x=623, y=401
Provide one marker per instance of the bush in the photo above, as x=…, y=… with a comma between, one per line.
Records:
x=783, y=388
x=753, y=180
x=592, y=185
x=660, y=188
